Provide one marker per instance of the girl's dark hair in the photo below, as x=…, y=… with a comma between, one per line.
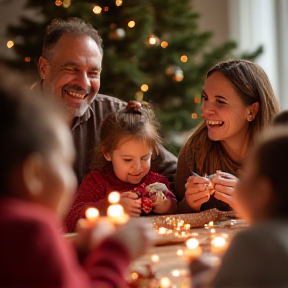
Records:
x=271, y=157
x=25, y=124
x=135, y=121
x=72, y=25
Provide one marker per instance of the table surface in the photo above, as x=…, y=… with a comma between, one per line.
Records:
x=176, y=267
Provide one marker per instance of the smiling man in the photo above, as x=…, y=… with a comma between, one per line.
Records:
x=70, y=68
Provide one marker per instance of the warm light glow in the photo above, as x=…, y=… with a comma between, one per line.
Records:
x=211, y=223
x=116, y=214
x=27, y=59
x=162, y=230
x=10, y=44
x=97, y=10
x=212, y=230
x=134, y=275
x=184, y=58
x=178, y=76
x=179, y=252
x=58, y=2
x=152, y=40
x=131, y=24
x=115, y=210
x=194, y=116
x=218, y=242
x=187, y=226
x=144, y=87
x=192, y=243
x=92, y=214
x=106, y=8
x=118, y=2
x=114, y=197
x=154, y=258
x=164, y=44
x=165, y=282
x=175, y=273
x=197, y=99
x=66, y=3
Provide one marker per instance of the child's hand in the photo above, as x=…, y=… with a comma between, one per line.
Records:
x=136, y=236
x=131, y=203
x=88, y=236
x=165, y=206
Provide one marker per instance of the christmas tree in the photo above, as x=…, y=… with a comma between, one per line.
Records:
x=153, y=51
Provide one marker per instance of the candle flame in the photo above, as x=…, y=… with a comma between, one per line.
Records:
x=192, y=243
x=218, y=242
x=92, y=214
x=114, y=197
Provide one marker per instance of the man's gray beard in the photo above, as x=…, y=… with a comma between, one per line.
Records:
x=74, y=112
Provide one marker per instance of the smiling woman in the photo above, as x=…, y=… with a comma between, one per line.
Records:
x=237, y=103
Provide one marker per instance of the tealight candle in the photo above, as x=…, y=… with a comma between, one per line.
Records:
x=175, y=273
x=187, y=226
x=218, y=244
x=114, y=197
x=193, y=249
x=211, y=223
x=162, y=230
x=92, y=215
x=116, y=214
x=155, y=258
x=165, y=283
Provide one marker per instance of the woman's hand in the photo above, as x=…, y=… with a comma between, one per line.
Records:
x=224, y=185
x=131, y=203
x=197, y=191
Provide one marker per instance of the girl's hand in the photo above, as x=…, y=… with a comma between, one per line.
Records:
x=131, y=203
x=166, y=206
x=224, y=185
x=197, y=191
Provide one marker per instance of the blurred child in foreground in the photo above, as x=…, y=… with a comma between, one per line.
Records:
x=129, y=139
x=258, y=256
x=37, y=184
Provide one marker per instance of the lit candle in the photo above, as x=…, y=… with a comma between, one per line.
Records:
x=92, y=215
x=179, y=252
x=193, y=249
x=187, y=226
x=218, y=244
x=165, y=283
x=162, y=230
x=155, y=258
x=175, y=273
x=114, y=197
x=116, y=214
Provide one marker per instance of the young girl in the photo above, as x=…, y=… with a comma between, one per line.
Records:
x=128, y=140
x=37, y=184
x=258, y=256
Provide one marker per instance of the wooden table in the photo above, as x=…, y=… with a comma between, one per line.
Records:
x=175, y=266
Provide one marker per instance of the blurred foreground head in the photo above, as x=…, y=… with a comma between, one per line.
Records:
x=262, y=190
x=37, y=153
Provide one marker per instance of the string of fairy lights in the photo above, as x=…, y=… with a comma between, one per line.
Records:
x=174, y=71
